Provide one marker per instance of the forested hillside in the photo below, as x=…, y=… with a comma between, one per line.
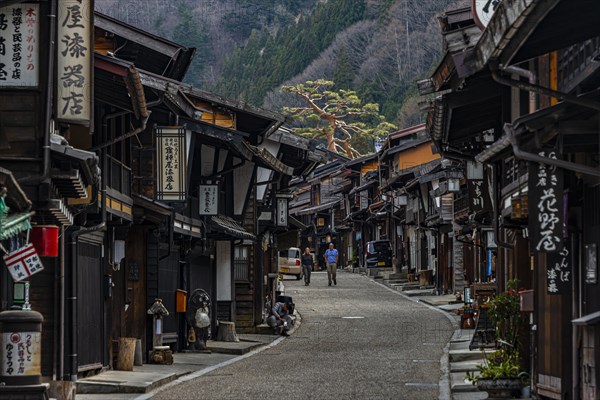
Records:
x=247, y=49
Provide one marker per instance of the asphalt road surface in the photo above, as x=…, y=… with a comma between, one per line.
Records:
x=357, y=340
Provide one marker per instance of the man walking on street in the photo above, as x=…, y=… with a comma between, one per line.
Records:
x=331, y=259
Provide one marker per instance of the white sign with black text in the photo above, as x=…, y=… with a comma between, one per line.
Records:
x=74, y=61
x=282, y=212
x=171, y=163
x=209, y=200
x=19, y=45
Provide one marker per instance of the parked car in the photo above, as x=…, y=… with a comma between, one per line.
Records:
x=378, y=254
x=289, y=262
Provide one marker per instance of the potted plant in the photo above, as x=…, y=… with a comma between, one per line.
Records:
x=501, y=374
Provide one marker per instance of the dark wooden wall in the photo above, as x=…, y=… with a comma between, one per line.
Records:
x=90, y=306
x=42, y=299
x=135, y=275
x=553, y=314
x=591, y=235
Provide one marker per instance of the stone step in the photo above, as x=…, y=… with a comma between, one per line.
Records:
x=465, y=355
x=465, y=366
x=469, y=396
x=396, y=281
x=116, y=382
x=398, y=275
x=264, y=329
x=460, y=384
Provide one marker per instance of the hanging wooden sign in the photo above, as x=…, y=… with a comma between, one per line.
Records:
x=74, y=61
x=209, y=200
x=479, y=199
x=19, y=45
x=559, y=272
x=171, y=164
x=23, y=263
x=282, y=212
x=546, y=211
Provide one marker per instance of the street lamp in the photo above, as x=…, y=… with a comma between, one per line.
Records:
x=453, y=184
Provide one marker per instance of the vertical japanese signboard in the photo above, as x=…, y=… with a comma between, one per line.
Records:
x=209, y=200
x=558, y=279
x=282, y=212
x=479, y=199
x=21, y=354
x=546, y=211
x=546, y=218
x=74, y=60
x=19, y=45
x=171, y=164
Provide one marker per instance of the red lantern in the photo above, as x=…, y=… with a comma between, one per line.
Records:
x=45, y=240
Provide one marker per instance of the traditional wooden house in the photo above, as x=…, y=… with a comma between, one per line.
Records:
x=46, y=108
x=542, y=169
x=315, y=204
x=406, y=156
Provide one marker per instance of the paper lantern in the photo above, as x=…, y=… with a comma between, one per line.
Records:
x=45, y=240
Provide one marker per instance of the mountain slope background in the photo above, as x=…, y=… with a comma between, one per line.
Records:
x=248, y=49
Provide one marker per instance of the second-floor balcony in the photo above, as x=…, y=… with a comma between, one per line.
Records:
x=577, y=63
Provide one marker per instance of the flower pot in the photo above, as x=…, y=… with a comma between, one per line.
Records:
x=500, y=388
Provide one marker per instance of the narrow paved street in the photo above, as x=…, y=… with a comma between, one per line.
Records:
x=357, y=340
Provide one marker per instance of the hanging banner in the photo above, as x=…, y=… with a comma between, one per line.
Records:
x=171, y=164
x=546, y=210
x=19, y=45
x=23, y=263
x=74, y=61
x=209, y=200
x=559, y=272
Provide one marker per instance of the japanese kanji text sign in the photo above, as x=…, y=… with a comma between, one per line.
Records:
x=479, y=198
x=74, y=60
x=282, y=212
x=209, y=200
x=546, y=210
x=559, y=272
x=21, y=353
x=19, y=45
x=171, y=164
x=23, y=262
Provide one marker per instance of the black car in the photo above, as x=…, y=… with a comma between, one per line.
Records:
x=378, y=254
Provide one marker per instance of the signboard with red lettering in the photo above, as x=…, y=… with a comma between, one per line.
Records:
x=21, y=353
x=23, y=262
x=19, y=45
x=74, y=61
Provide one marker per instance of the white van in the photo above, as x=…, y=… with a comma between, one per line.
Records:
x=289, y=262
